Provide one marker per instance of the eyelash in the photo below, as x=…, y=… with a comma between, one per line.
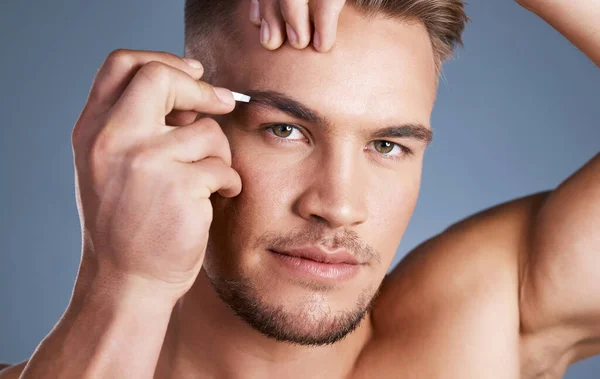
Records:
x=405, y=150
x=282, y=139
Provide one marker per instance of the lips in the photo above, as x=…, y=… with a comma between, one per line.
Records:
x=317, y=254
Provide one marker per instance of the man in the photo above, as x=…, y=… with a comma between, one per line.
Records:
x=323, y=163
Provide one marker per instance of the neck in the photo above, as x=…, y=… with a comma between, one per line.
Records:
x=205, y=339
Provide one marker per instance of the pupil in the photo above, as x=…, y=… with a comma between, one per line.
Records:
x=283, y=130
x=385, y=146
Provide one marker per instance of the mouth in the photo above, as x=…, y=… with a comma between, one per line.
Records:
x=317, y=254
x=334, y=267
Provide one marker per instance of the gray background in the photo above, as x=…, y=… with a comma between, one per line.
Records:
x=517, y=113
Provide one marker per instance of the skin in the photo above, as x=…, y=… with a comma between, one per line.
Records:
x=503, y=293
x=291, y=19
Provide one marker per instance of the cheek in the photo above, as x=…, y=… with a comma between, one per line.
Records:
x=392, y=207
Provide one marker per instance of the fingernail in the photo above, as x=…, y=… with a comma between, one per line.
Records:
x=317, y=41
x=264, y=32
x=224, y=95
x=254, y=11
x=193, y=62
x=292, y=36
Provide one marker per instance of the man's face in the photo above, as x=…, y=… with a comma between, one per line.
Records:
x=315, y=171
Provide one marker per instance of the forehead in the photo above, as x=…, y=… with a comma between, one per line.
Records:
x=380, y=68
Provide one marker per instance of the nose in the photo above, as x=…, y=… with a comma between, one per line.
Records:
x=337, y=191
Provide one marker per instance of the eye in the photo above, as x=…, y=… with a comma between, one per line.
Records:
x=384, y=147
x=286, y=131
x=390, y=149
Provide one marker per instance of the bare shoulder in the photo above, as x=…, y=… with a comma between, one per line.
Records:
x=479, y=253
x=456, y=292
x=12, y=372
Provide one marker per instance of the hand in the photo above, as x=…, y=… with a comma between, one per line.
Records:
x=145, y=170
x=278, y=18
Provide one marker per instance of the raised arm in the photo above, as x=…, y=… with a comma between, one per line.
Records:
x=578, y=21
x=560, y=287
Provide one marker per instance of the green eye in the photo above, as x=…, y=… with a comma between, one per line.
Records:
x=384, y=147
x=283, y=130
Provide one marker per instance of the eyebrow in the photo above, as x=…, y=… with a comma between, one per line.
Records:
x=295, y=109
x=410, y=130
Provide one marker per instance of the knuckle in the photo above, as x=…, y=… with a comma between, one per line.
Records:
x=174, y=60
x=120, y=58
x=211, y=127
x=96, y=156
x=76, y=134
x=143, y=160
x=157, y=73
x=100, y=151
x=212, y=132
x=200, y=69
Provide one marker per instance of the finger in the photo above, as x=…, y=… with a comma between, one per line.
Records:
x=120, y=67
x=272, y=25
x=297, y=18
x=180, y=118
x=255, y=12
x=194, y=142
x=157, y=89
x=326, y=17
x=211, y=175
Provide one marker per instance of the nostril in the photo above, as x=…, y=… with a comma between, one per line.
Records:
x=318, y=219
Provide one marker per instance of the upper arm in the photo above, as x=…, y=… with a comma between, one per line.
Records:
x=561, y=281
x=453, y=294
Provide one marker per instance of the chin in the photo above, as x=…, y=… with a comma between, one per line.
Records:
x=303, y=313
x=293, y=314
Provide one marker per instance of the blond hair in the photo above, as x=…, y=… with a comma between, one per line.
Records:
x=445, y=21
